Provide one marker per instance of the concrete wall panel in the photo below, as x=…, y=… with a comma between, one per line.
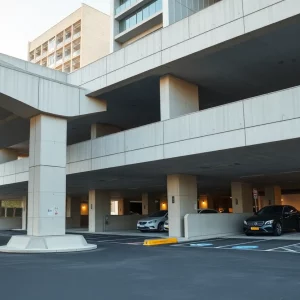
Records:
x=215, y=16
x=110, y=144
x=144, y=155
x=144, y=47
x=272, y=14
x=206, y=122
x=115, y=60
x=79, y=166
x=95, y=84
x=175, y=33
x=203, y=41
x=20, y=86
x=251, y=6
x=80, y=151
x=273, y=132
x=274, y=107
x=150, y=135
x=58, y=98
x=222, y=141
x=212, y=225
x=109, y=161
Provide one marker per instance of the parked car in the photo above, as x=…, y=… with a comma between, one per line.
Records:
x=154, y=222
x=207, y=211
x=166, y=225
x=273, y=219
x=200, y=211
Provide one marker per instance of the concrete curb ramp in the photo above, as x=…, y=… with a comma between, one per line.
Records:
x=47, y=244
x=156, y=242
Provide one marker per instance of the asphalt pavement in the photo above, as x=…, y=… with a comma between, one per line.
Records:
x=122, y=268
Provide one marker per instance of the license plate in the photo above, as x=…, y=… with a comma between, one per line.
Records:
x=254, y=228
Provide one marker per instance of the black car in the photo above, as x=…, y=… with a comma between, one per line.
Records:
x=273, y=219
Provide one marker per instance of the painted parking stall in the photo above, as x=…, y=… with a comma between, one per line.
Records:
x=266, y=245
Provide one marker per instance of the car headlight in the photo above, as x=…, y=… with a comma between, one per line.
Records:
x=270, y=222
x=152, y=221
x=245, y=222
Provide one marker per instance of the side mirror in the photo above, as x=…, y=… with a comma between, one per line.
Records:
x=287, y=214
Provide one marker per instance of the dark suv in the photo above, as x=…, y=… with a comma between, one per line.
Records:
x=273, y=219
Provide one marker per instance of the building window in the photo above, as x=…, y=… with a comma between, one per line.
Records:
x=124, y=4
x=141, y=15
x=51, y=60
x=51, y=45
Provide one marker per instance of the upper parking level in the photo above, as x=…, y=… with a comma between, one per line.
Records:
x=203, y=32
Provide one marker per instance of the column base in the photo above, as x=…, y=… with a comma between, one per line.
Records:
x=46, y=244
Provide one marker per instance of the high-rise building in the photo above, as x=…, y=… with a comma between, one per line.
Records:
x=74, y=42
x=133, y=19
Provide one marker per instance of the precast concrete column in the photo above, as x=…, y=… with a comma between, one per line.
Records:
x=272, y=195
x=47, y=176
x=177, y=97
x=98, y=130
x=182, y=200
x=145, y=204
x=99, y=208
x=242, y=199
x=7, y=155
x=75, y=212
x=124, y=206
x=68, y=206
x=24, y=213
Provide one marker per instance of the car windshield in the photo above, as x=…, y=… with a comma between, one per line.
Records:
x=271, y=210
x=158, y=214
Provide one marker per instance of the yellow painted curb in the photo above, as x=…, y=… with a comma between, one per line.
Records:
x=160, y=242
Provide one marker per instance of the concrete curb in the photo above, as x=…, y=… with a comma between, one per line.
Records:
x=155, y=242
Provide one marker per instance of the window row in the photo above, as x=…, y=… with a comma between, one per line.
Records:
x=63, y=38
x=141, y=15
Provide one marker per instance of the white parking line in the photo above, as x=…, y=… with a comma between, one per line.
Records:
x=115, y=240
x=257, y=241
x=284, y=247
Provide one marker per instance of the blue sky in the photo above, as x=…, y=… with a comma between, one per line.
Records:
x=23, y=20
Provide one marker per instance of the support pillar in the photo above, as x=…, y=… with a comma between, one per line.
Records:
x=99, y=208
x=75, y=212
x=145, y=204
x=47, y=192
x=182, y=200
x=177, y=97
x=47, y=176
x=272, y=195
x=242, y=198
x=24, y=213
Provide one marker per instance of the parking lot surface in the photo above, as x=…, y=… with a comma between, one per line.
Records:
x=122, y=268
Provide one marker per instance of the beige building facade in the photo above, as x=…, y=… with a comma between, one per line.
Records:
x=76, y=41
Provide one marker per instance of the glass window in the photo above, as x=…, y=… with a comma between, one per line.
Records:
x=152, y=8
x=139, y=16
x=51, y=59
x=146, y=12
x=132, y=21
x=159, y=213
x=158, y=5
x=271, y=210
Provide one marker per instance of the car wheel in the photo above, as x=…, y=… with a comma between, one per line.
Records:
x=277, y=229
x=248, y=233
x=160, y=227
x=142, y=230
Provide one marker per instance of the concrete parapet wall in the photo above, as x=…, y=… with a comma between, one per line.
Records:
x=199, y=225
x=10, y=223
x=122, y=222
